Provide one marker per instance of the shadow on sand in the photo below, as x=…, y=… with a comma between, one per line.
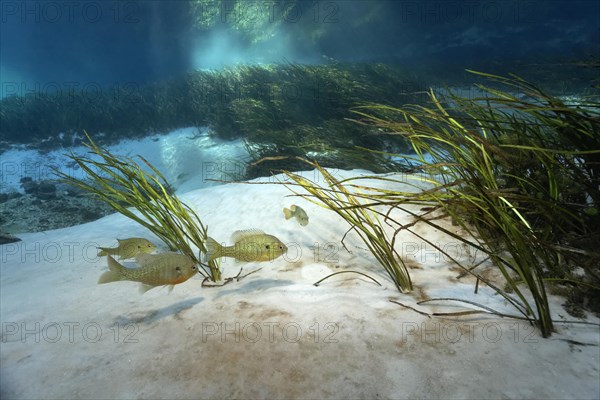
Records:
x=154, y=315
x=252, y=286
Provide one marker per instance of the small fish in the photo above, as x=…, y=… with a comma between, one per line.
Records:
x=128, y=248
x=296, y=211
x=249, y=245
x=154, y=270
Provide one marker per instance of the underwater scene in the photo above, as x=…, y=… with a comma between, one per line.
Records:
x=300, y=199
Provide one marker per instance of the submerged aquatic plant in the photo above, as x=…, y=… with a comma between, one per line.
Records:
x=363, y=220
x=291, y=109
x=125, y=186
x=520, y=174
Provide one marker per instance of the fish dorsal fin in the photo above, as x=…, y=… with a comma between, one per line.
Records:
x=239, y=235
x=146, y=259
x=143, y=259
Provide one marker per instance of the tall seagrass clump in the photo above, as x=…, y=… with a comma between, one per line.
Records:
x=364, y=220
x=520, y=173
x=122, y=184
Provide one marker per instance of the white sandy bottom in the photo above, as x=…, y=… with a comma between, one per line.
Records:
x=272, y=334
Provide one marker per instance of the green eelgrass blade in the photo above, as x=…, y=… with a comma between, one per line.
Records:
x=124, y=185
x=513, y=167
x=363, y=221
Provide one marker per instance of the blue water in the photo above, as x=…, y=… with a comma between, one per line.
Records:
x=100, y=44
x=132, y=69
x=135, y=70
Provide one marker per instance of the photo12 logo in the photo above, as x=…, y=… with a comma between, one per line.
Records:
x=261, y=12
x=49, y=252
x=432, y=12
x=37, y=12
x=252, y=332
x=491, y=332
x=70, y=332
x=72, y=92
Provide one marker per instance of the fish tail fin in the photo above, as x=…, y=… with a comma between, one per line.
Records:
x=213, y=249
x=115, y=272
x=103, y=251
x=287, y=212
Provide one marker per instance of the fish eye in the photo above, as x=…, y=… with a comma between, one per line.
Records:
x=193, y=267
x=267, y=246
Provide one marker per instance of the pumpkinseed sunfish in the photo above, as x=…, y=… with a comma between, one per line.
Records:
x=298, y=212
x=128, y=248
x=154, y=270
x=249, y=245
